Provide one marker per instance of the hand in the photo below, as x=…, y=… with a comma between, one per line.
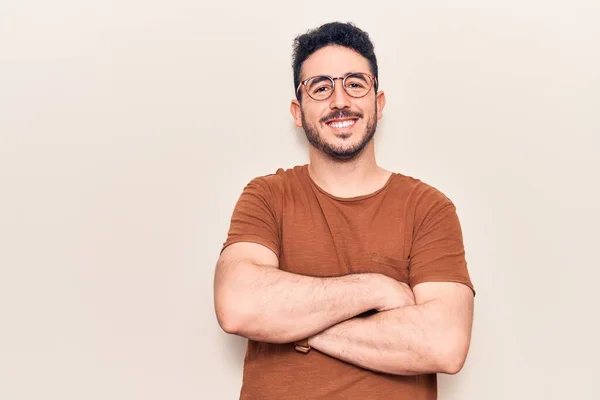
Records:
x=394, y=294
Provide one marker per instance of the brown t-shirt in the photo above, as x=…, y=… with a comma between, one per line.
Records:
x=407, y=230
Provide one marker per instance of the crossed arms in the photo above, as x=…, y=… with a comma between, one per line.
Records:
x=426, y=330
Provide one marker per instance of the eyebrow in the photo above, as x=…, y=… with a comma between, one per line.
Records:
x=317, y=79
x=345, y=74
x=360, y=75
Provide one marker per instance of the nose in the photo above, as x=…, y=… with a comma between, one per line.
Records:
x=339, y=98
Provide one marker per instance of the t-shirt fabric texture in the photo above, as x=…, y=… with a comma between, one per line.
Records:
x=406, y=230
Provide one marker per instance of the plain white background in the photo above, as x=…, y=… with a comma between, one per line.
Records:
x=129, y=128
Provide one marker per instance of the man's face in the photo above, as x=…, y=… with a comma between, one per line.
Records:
x=340, y=126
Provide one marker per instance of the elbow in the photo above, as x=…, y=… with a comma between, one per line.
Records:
x=235, y=321
x=453, y=357
x=231, y=317
x=237, y=318
x=251, y=327
x=453, y=366
x=242, y=318
x=228, y=323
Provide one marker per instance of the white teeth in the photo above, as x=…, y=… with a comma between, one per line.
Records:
x=342, y=124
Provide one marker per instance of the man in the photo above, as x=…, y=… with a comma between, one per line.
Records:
x=349, y=281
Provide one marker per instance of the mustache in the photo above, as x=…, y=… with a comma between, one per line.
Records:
x=339, y=114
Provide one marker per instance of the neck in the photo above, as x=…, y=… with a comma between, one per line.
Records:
x=348, y=178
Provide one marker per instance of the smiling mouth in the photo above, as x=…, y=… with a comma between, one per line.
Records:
x=341, y=124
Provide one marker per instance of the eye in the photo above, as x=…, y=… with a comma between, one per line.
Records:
x=320, y=89
x=355, y=85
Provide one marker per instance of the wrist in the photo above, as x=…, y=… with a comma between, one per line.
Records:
x=312, y=340
x=374, y=289
x=366, y=289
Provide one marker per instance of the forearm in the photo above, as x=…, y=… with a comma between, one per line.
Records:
x=411, y=340
x=270, y=305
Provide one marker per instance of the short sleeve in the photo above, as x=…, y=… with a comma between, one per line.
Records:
x=437, y=253
x=254, y=218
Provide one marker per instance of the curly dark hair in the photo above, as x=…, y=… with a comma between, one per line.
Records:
x=333, y=33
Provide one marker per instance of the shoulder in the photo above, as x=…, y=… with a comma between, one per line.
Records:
x=420, y=195
x=280, y=180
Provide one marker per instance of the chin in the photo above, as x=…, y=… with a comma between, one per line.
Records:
x=345, y=147
x=350, y=137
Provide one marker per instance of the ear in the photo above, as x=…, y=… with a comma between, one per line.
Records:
x=380, y=100
x=296, y=111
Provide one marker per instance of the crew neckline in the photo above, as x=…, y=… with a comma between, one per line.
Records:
x=346, y=199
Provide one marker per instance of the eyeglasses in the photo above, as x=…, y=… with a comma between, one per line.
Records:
x=321, y=87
